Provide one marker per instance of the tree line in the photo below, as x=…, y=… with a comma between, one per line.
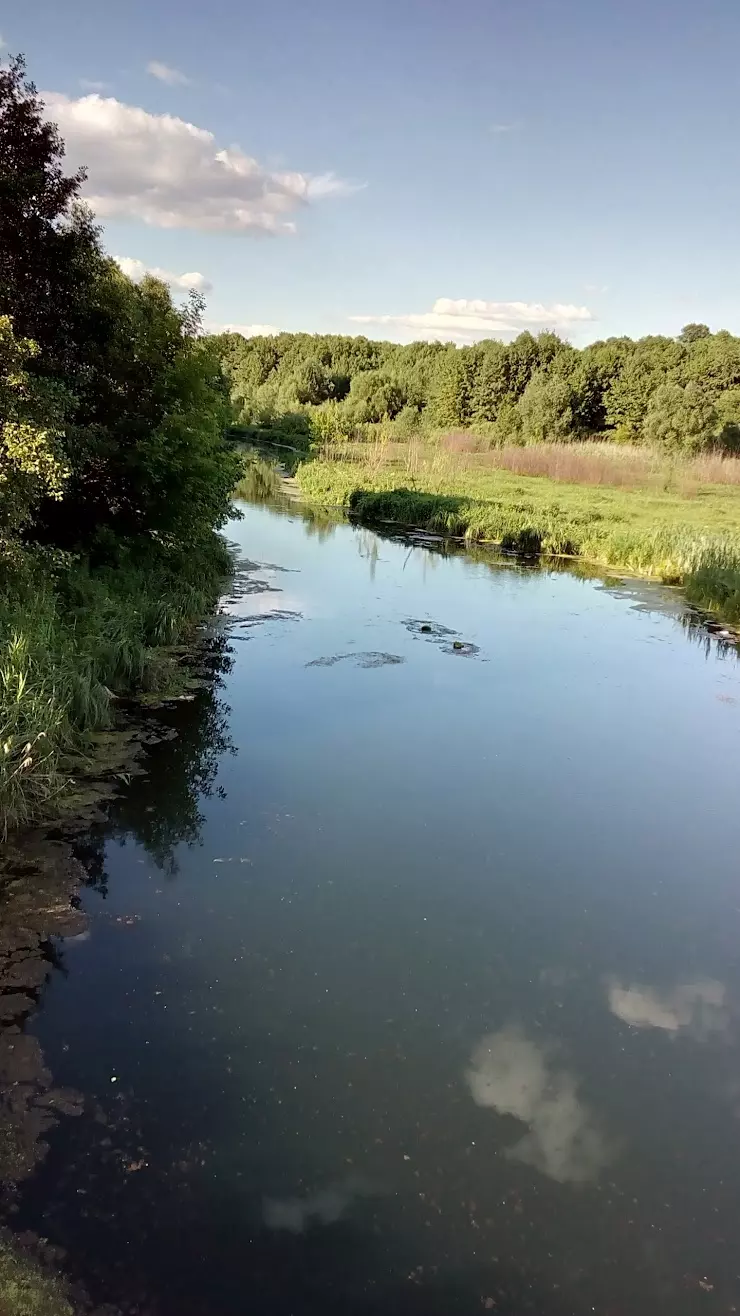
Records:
x=679, y=394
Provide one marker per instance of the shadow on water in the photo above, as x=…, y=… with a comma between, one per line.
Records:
x=41, y=922
x=161, y=807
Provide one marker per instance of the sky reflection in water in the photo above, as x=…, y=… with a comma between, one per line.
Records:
x=428, y=1004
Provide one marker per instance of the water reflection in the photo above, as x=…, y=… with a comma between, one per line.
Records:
x=396, y=856
x=164, y=807
x=514, y=1075
x=325, y=1207
x=699, y=1008
x=260, y=480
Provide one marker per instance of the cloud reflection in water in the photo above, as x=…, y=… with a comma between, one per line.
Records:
x=516, y=1076
x=698, y=1007
x=325, y=1207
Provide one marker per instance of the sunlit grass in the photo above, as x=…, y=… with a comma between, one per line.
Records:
x=72, y=642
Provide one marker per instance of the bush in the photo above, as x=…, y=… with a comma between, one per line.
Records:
x=728, y=421
x=680, y=419
x=545, y=409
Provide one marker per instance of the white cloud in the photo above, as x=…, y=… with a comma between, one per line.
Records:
x=136, y=270
x=165, y=73
x=515, y=1076
x=465, y=319
x=697, y=1007
x=90, y=84
x=499, y=129
x=163, y=171
x=246, y=330
x=596, y=287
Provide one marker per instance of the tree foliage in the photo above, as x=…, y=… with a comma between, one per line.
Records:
x=112, y=406
x=114, y=470
x=532, y=389
x=680, y=419
x=32, y=467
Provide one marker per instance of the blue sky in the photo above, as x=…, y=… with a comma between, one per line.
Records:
x=554, y=154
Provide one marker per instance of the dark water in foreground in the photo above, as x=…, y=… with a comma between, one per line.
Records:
x=413, y=982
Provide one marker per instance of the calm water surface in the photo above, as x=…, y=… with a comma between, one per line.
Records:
x=413, y=981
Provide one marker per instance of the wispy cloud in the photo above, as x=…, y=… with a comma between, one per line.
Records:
x=499, y=129
x=167, y=74
x=596, y=287
x=467, y=320
x=246, y=330
x=90, y=84
x=164, y=171
x=193, y=281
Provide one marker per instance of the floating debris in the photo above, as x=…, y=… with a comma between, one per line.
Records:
x=433, y=628
x=462, y=648
x=369, y=659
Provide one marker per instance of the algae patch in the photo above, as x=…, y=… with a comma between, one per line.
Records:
x=367, y=659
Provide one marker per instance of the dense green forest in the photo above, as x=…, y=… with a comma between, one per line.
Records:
x=681, y=395
x=114, y=473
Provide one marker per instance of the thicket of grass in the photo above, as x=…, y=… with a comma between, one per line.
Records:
x=73, y=640
x=627, y=466
x=694, y=542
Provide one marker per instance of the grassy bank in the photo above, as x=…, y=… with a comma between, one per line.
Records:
x=688, y=539
x=73, y=641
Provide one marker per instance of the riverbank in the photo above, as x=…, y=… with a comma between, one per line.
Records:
x=693, y=542
x=81, y=645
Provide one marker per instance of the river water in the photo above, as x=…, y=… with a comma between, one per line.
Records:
x=412, y=982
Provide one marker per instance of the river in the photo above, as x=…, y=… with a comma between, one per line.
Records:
x=412, y=980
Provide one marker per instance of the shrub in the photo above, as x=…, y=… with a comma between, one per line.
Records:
x=679, y=419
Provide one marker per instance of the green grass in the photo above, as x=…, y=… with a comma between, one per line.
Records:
x=690, y=541
x=72, y=641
